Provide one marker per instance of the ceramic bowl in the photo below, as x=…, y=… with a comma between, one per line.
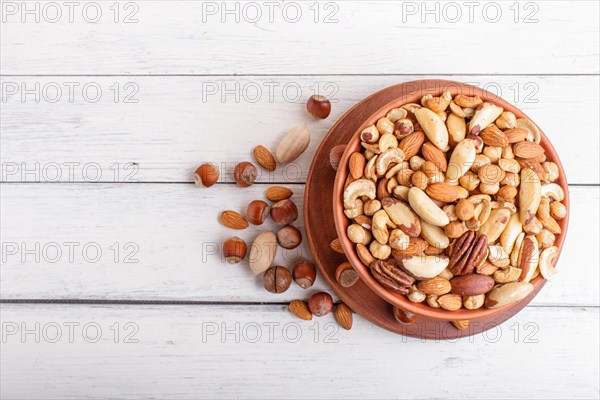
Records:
x=341, y=221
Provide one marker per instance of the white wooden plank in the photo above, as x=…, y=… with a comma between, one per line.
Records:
x=187, y=37
x=175, y=230
x=229, y=352
x=175, y=123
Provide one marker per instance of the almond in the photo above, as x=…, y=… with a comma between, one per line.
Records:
x=416, y=246
x=442, y=191
x=278, y=193
x=437, y=286
x=528, y=150
x=336, y=245
x=233, y=220
x=435, y=155
x=411, y=144
x=343, y=316
x=492, y=136
x=264, y=158
x=450, y=302
x=357, y=165
x=516, y=135
x=461, y=325
x=472, y=284
x=300, y=310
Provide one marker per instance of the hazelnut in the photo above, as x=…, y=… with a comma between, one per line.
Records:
x=284, y=212
x=320, y=304
x=304, y=274
x=454, y=229
x=429, y=168
x=464, y=209
x=257, y=212
x=403, y=128
x=420, y=180
x=234, y=250
x=404, y=317
x=345, y=275
x=318, y=107
x=277, y=279
x=206, y=175
x=245, y=174
x=289, y=237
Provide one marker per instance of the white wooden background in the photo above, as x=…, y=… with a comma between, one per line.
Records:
x=156, y=315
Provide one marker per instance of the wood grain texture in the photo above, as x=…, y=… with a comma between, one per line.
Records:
x=180, y=122
x=403, y=37
x=175, y=228
x=199, y=351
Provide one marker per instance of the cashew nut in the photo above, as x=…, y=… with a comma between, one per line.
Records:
x=438, y=104
x=467, y=101
x=370, y=172
x=510, y=274
x=387, y=141
x=547, y=259
x=399, y=240
x=533, y=131
x=358, y=188
x=396, y=114
x=395, y=155
x=553, y=191
x=380, y=230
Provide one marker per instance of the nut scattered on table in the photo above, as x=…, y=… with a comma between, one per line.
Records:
x=206, y=175
x=233, y=220
x=318, y=106
x=277, y=279
x=234, y=250
x=257, y=212
x=320, y=304
x=304, y=274
x=245, y=174
x=343, y=316
x=284, y=212
x=454, y=202
x=300, y=310
x=264, y=158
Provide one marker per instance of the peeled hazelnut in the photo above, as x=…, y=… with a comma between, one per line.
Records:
x=284, y=212
x=464, y=209
x=403, y=128
x=277, y=279
x=345, y=275
x=289, y=237
x=320, y=304
x=234, y=250
x=304, y=274
x=245, y=174
x=206, y=175
x=454, y=229
x=318, y=107
x=257, y=212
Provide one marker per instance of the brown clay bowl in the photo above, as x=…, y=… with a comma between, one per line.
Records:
x=341, y=222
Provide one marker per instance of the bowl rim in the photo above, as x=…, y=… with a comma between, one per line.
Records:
x=435, y=88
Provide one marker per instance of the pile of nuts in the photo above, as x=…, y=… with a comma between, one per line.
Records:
x=452, y=202
x=283, y=212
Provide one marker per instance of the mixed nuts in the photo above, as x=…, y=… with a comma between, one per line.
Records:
x=283, y=212
x=453, y=202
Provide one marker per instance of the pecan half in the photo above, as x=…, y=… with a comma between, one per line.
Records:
x=392, y=277
x=467, y=253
